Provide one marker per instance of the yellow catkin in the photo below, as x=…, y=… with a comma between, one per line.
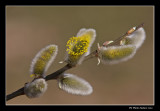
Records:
x=77, y=46
x=117, y=53
x=42, y=61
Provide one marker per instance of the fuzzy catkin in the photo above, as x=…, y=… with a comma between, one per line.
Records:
x=74, y=84
x=79, y=47
x=43, y=60
x=116, y=54
x=35, y=88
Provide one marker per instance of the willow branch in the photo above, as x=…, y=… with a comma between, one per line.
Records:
x=48, y=77
x=15, y=94
x=58, y=72
x=51, y=76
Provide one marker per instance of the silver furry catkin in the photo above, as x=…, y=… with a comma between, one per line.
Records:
x=43, y=60
x=74, y=85
x=35, y=88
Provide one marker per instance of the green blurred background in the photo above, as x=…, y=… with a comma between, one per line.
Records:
x=30, y=28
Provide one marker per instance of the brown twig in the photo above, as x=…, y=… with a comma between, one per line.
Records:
x=117, y=40
x=15, y=94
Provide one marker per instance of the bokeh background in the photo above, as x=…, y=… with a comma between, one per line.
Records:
x=30, y=28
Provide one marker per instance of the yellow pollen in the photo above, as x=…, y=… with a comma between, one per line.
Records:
x=78, y=45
